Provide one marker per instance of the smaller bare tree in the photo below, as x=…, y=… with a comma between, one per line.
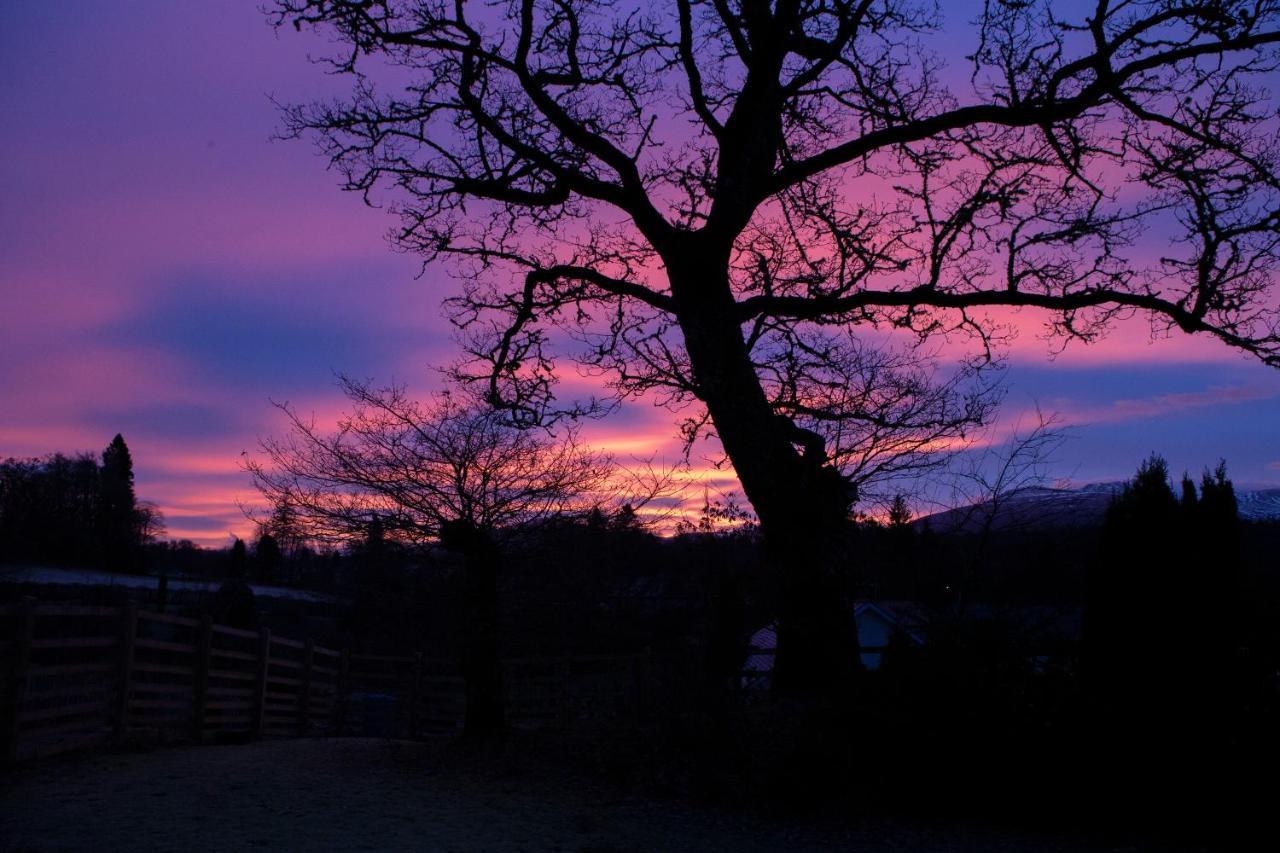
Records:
x=450, y=471
x=149, y=520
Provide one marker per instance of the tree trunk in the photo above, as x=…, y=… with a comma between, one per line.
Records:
x=481, y=667
x=802, y=502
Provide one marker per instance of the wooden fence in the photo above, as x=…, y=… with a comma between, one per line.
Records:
x=82, y=676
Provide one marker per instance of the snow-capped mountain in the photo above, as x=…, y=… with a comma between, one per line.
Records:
x=1083, y=506
x=1259, y=504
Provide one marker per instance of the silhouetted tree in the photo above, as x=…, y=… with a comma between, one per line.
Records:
x=1138, y=640
x=1219, y=516
x=267, y=558
x=374, y=551
x=378, y=577
x=450, y=471
x=49, y=510
x=899, y=513
x=901, y=541
x=62, y=509
x=1214, y=592
x=288, y=548
x=1189, y=497
x=238, y=560
x=726, y=200
x=149, y=521
x=1166, y=627
x=118, y=508
x=375, y=538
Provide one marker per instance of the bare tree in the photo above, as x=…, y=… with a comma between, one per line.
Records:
x=715, y=201
x=149, y=519
x=449, y=471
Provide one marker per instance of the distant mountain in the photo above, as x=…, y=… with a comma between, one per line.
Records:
x=1041, y=507
x=1261, y=504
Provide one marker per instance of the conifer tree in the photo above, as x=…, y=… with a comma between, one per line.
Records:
x=1161, y=634
x=239, y=560
x=1220, y=513
x=118, y=508
x=1189, y=497
x=899, y=513
x=1215, y=585
x=1132, y=590
x=267, y=556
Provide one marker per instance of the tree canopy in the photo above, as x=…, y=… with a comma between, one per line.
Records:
x=76, y=510
x=768, y=214
x=413, y=471
x=826, y=155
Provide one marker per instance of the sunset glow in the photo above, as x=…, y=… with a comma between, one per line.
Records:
x=167, y=271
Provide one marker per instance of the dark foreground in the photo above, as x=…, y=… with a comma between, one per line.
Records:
x=367, y=794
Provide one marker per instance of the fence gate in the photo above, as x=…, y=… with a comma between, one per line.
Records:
x=79, y=676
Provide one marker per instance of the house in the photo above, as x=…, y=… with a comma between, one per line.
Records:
x=877, y=621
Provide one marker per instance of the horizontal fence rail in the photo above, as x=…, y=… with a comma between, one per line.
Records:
x=80, y=676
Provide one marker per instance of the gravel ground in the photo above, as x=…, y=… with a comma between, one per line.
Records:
x=368, y=794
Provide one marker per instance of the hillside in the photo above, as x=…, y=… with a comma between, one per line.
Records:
x=1041, y=507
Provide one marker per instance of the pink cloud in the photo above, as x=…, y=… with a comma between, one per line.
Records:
x=1164, y=404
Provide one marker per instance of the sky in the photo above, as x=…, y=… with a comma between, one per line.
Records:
x=168, y=270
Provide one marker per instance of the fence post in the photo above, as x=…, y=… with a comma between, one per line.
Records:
x=341, y=694
x=200, y=683
x=24, y=627
x=128, y=633
x=304, y=692
x=260, y=696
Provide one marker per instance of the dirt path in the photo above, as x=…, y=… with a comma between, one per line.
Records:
x=364, y=794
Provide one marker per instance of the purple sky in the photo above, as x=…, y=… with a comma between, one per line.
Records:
x=166, y=270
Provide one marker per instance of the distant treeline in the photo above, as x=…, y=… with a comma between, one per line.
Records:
x=77, y=510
